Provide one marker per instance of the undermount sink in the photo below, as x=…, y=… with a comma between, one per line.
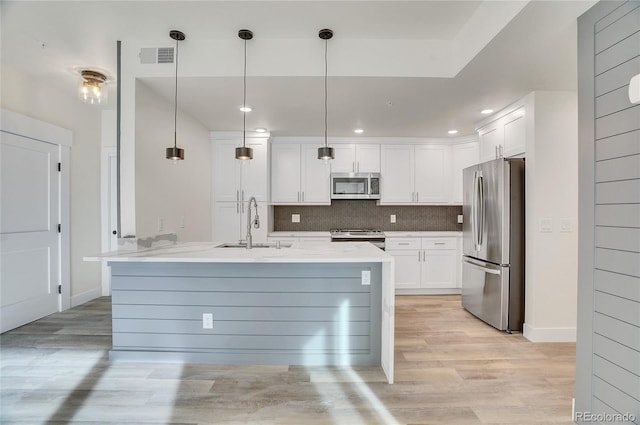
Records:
x=254, y=245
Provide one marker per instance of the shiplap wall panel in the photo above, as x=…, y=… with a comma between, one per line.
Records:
x=625, y=215
x=627, y=24
x=616, y=330
x=233, y=313
x=620, y=122
x=616, y=77
x=623, y=168
x=612, y=102
x=629, y=383
x=618, y=53
x=603, y=26
x=618, y=261
x=310, y=314
x=619, y=145
x=622, y=238
x=618, y=192
x=626, y=357
x=618, y=400
x=618, y=284
x=618, y=308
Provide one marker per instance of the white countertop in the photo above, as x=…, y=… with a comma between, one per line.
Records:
x=206, y=252
x=300, y=234
x=417, y=234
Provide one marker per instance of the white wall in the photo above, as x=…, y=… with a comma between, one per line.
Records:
x=551, y=193
x=163, y=189
x=41, y=101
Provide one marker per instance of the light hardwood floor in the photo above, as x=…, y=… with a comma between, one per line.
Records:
x=450, y=369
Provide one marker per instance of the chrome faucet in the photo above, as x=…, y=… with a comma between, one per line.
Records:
x=256, y=221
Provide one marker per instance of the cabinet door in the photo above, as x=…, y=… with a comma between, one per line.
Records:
x=515, y=133
x=407, y=268
x=316, y=184
x=285, y=173
x=226, y=221
x=396, y=166
x=345, y=160
x=432, y=178
x=368, y=158
x=491, y=139
x=462, y=156
x=439, y=269
x=226, y=171
x=254, y=172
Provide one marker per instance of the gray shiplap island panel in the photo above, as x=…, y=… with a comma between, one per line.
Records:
x=300, y=313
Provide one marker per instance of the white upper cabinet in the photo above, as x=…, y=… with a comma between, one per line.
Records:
x=462, y=156
x=354, y=158
x=233, y=179
x=396, y=185
x=504, y=136
x=432, y=178
x=415, y=174
x=298, y=176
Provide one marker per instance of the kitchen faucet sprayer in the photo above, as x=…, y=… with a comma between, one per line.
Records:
x=255, y=222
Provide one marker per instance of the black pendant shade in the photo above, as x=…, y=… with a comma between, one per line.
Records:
x=325, y=152
x=243, y=152
x=175, y=153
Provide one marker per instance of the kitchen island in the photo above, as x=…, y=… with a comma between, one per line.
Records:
x=314, y=303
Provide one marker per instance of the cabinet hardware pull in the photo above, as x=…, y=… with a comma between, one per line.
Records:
x=417, y=196
x=237, y=201
x=358, y=168
x=298, y=196
x=424, y=256
x=302, y=196
x=419, y=256
x=242, y=201
x=439, y=243
x=403, y=243
x=353, y=166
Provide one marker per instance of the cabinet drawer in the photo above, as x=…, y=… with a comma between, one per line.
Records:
x=402, y=243
x=440, y=243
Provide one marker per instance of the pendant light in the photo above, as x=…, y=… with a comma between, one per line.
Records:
x=244, y=153
x=325, y=152
x=175, y=153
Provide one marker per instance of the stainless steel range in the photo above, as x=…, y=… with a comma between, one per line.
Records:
x=376, y=237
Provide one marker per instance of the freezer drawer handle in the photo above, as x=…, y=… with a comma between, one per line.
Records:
x=481, y=267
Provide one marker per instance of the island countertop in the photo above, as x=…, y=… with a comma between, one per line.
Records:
x=209, y=252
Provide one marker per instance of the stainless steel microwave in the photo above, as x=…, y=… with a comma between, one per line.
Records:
x=355, y=185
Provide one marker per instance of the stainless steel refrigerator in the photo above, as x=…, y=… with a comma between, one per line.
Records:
x=493, y=242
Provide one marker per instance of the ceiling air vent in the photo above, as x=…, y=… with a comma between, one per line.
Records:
x=151, y=55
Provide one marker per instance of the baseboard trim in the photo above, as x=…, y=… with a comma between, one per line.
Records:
x=85, y=297
x=433, y=291
x=549, y=334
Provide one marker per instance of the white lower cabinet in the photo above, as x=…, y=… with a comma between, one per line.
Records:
x=425, y=264
x=230, y=222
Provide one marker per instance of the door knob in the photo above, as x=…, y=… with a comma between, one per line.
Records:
x=115, y=232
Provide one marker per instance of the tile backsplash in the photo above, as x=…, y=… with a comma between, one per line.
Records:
x=365, y=214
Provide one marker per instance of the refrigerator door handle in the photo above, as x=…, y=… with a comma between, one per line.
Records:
x=481, y=266
x=473, y=211
x=482, y=210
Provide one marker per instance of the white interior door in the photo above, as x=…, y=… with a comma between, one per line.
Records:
x=109, y=211
x=29, y=238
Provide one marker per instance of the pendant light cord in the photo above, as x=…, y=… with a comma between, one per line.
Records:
x=325, y=91
x=244, y=96
x=175, y=108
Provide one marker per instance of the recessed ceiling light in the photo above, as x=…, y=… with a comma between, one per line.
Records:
x=486, y=111
x=358, y=130
x=261, y=130
x=246, y=108
x=452, y=131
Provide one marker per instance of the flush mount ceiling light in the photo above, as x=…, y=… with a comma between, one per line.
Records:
x=486, y=111
x=325, y=152
x=93, y=88
x=244, y=153
x=245, y=108
x=358, y=131
x=261, y=130
x=452, y=131
x=175, y=153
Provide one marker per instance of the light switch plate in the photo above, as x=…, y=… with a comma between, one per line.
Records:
x=566, y=226
x=366, y=277
x=459, y=218
x=392, y=218
x=546, y=225
x=207, y=320
x=295, y=218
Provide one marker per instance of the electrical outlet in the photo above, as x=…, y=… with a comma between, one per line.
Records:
x=207, y=321
x=546, y=225
x=565, y=225
x=366, y=277
x=392, y=218
x=460, y=218
x=295, y=218
x=160, y=224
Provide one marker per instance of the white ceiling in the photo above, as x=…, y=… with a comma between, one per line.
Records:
x=397, y=68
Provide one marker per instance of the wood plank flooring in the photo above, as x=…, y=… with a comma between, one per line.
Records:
x=451, y=369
